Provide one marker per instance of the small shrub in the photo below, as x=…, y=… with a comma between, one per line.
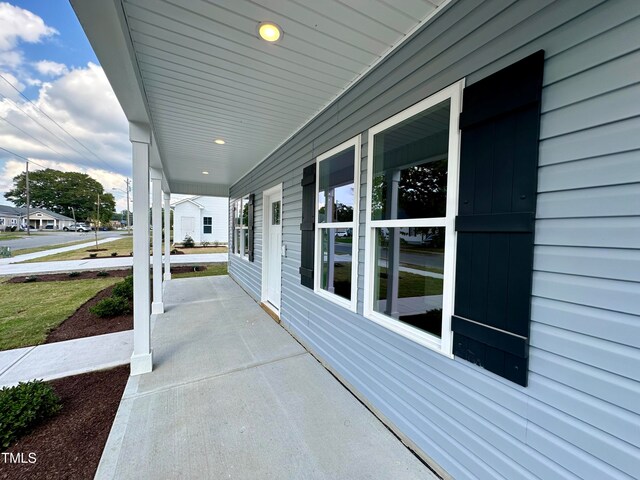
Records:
x=197, y=268
x=124, y=289
x=188, y=242
x=102, y=273
x=24, y=406
x=114, y=254
x=175, y=251
x=30, y=279
x=111, y=307
x=93, y=255
x=205, y=244
x=74, y=274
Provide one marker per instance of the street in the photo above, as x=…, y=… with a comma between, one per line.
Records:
x=42, y=239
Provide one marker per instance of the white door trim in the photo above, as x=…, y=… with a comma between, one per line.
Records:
x=265, y=240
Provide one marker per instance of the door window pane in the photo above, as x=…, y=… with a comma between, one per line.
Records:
x=275, y=213
x=410, y=167
x=336, y=261
x=336, y=188
x=409, y=273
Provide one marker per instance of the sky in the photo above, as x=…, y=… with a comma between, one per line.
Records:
x=45, y=54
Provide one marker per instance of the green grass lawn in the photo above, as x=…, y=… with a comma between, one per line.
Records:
x=28, y=311
x=212, y=270
x=123, y=246
x=11, y=235
x=424, y=269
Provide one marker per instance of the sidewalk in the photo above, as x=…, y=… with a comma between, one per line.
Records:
x=45, y=253
x=61, y=359
x=101, y=264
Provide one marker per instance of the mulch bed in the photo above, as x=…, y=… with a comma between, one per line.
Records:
x=62, y=277
x=69, y=445
x=82, y=323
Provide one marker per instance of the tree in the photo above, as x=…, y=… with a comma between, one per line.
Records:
x=61, y=192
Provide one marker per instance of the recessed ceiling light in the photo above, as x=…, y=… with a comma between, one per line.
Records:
x=219, y=141
x=269, y=31
x=205, y=172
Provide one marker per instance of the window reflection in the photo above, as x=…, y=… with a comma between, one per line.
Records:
x=410, y=167
x=336, y=188
x=336, y=261
x=409, y=268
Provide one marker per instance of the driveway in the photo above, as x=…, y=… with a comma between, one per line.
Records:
x=43, y=239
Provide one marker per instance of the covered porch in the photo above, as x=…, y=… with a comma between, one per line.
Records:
x=233, y=395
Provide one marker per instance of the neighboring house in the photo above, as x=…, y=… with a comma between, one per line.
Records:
x=202, y=218
x=38, y=218
x=9, y=217
x=505, y=133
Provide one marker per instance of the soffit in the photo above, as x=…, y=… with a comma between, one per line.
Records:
x=206, y=75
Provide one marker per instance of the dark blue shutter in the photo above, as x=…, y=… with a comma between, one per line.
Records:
x=307, y=227
x=251, y=221
x=500, y=126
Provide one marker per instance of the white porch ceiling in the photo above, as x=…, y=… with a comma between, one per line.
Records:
x=205, y=74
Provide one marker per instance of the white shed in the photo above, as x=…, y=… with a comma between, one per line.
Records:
x=202, y=218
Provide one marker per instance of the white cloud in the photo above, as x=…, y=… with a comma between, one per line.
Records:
x=5, y=88
x=82, y=102
x=19, y=24
x=52, y=69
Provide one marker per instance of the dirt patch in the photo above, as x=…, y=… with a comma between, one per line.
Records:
x=69, y=445
x=61, y=277
x=96, y=250
x=82, y=323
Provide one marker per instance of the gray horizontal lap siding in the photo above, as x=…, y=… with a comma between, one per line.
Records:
x=579, y=416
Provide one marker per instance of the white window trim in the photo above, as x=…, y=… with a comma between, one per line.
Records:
x=445, y=343
x=352, y=304
x=237, y=227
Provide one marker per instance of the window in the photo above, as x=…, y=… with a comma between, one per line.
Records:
x=336, y=223
x=241, y=227
x=206, y=222
x=1, y=221
x=411, y=208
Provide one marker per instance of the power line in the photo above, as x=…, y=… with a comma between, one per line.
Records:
x=23, y=158
x=40, y=124
x=57, y=124
x=36, y=139
x=15, y=154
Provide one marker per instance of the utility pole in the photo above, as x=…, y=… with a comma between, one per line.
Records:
x=97, y=221
x=27, y=181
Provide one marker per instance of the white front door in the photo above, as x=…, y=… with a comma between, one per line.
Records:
x=272, y=246
x=188, y=226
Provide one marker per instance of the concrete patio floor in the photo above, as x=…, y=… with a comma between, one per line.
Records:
x=233, y=395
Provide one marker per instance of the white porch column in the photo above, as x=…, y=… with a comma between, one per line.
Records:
x=141, y=360
x=167, y=236
x=156, y=218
